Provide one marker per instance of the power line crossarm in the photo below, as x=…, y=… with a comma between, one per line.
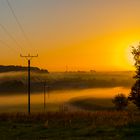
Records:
x=28, y=57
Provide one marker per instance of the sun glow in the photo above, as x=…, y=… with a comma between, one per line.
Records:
x=80, y=35
x=129, y=55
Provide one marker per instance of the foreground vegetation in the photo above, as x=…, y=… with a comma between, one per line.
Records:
x=81, y=125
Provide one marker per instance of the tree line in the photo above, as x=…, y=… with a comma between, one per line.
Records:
x=12, y=68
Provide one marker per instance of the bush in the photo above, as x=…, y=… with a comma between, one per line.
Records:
x=120, y=101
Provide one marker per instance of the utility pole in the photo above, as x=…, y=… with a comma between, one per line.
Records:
x=45, y=90
x=29, y=58
x=44, y=95
x=66, y=68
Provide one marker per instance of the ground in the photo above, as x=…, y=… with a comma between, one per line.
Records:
x=82, y=125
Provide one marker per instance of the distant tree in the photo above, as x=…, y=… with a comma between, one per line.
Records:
x=12, y=68
x=135, y=90
x=120, y=101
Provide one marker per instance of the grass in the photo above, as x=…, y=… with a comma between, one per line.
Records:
x=100, y=122
x=64, y=80
x=99, y=125
x=95, y=104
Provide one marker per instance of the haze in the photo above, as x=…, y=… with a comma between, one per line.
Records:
x=72, y=34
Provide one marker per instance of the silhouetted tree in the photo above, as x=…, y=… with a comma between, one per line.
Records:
x=13, y=68
x=120, y=101
x=135, y=90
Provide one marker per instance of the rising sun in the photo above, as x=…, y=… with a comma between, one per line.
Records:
x=129, y=55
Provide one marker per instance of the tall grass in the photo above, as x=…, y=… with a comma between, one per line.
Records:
x=97, y=118
x=79, y=125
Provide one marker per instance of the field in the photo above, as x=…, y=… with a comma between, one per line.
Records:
x=17, y=81
x=87, y=119
x=98, y=125
x=78, y=119
x=98, y=104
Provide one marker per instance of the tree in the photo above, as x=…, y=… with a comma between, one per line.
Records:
x=135, y=90
x=120, y=101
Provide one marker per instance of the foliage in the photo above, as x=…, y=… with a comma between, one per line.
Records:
x=135, y=90
x=13, y=68
x=120, y=101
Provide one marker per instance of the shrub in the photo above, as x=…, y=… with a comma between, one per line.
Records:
x=120, y=101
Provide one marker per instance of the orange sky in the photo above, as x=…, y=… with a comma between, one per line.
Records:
x=79, y=34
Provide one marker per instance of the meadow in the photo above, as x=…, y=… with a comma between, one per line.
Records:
x=17, y=81
x=98, y=104
x=81, y=125
x=78, y=119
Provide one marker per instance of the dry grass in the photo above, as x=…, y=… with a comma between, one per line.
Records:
x=80, y=125
x=97, y=118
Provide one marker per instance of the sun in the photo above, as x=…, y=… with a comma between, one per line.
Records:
x=129, y=55
x=123, y=57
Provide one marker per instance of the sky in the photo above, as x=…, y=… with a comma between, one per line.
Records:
x=70, y=34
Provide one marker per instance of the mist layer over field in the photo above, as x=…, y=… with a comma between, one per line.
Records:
x=13, y=82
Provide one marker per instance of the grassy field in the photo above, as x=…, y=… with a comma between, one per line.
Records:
x=96, y=104
x=17, y=81
x=98, y=125
x=93, y=119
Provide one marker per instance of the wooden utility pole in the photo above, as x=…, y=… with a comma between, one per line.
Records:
x=45, y=90
x=44, y=95
x=29, y=58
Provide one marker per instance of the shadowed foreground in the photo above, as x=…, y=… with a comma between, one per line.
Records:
x=80, y=125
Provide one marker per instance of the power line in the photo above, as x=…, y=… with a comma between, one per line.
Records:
x=18, y=22
x=10, y=35
x=3, y=42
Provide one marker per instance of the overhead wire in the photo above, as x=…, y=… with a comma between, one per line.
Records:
x=11, y=48
x=18, y=23
x=10, y=36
